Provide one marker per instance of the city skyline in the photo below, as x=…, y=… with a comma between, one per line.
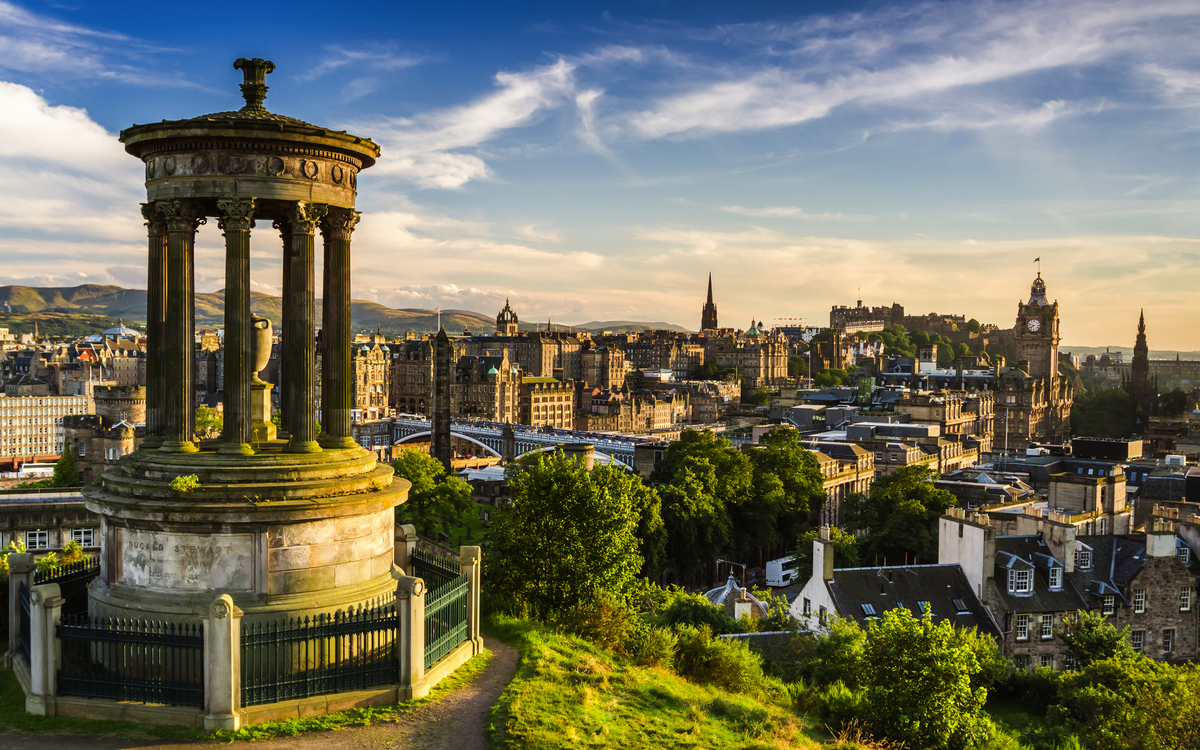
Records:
x=596, y=164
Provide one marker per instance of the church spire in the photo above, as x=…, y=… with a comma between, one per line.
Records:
x=708, y=315
x=710, y=299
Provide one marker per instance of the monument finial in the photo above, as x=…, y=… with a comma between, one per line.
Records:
x=254, y=89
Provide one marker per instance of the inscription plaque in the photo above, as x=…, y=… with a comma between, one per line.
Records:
x=185, y=562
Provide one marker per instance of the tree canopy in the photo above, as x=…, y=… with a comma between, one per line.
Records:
x=845, y=551
x=567, y=536
x=436, y=501
x=899, y=516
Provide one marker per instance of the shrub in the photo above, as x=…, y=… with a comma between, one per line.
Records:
x=837, y=705
x=72, y=552
x=185, y=483
x=1036, y=691
x=694, y=610
x=724, y=662
x=653, y=647
x=821, y=660
x=48, y=563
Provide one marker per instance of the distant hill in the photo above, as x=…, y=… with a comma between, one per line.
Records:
x=628, y=326
x=20, y=306
x=1083, y=351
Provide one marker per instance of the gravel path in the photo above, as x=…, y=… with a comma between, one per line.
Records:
x=456, y=722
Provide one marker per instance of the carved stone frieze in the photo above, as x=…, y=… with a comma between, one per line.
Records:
x=301, y=166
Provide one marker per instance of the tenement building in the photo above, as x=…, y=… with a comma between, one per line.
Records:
x=31, y=425
x=99, y=440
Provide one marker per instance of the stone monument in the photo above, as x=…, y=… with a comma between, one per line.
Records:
x=293, y=526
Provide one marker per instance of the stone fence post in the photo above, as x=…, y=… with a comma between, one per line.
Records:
x=223, y=665
x=21, y=567
x=470, y=560
x=406, y=542
x=45, y=609
x=410, y=609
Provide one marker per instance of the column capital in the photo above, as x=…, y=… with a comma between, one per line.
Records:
x=155, y=222
x=302, y=218
x=339, y=223
x=180, y=215
x=237, y=214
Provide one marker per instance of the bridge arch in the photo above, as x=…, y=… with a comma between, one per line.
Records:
x=599, y=454
x=468, y=438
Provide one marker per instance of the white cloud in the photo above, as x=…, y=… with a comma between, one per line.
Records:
x=533, y=232
x=793, y=212
x=377, y=57
x=428, y=148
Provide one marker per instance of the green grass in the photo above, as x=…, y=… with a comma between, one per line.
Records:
x=359, y=717
x=14, y=718
x=570, y=693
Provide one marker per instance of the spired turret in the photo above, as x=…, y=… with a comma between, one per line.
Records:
x=299, y=525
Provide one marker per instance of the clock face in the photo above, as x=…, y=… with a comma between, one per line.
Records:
x=1035, y=324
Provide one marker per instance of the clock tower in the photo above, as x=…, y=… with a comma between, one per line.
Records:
x=1036, y=334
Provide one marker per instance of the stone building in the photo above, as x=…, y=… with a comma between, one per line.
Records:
x=846, y=469
x=708, y=314
x=506, y=321
x=486, y=387
x=99, y=440
x=371, y=373
x=32, y=425
x=411, y=366
x=1139, y=384
x=546, y=402
x=1033, y=403
x=603, y=366
x=758, y=356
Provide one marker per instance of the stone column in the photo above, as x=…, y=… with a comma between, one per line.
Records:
x=237, y=217
x=439, y=418
x=300, y=346
x=179, y=330
x=156, y=294
x=21, y=567
x=285, y=232
x=470, y=560
x=337, y=389
x=404, y=544
x=410, y=608
x=223, y=666
x=45, y=609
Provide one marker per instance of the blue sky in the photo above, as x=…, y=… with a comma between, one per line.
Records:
x=595, y=162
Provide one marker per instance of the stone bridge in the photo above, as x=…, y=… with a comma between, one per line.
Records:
x=490, y=435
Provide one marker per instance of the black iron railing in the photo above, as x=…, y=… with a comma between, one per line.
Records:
x=436, y=570
x=132, y=660
x=73, y=580
x=23, y=630
x=446, y=618
x=293, y=658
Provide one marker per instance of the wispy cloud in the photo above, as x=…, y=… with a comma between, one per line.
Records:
x=374, y=57
x=793, y=212
x=433, y=149
x=41, y=46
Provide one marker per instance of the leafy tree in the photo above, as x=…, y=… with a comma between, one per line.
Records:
x=917, y=674
x=566, y=537
x=787, y=488
x=436, y=502
x=830, y=378
x=712, y=371
x=845, y=552
x=66, y=472
x=834, y=655
x=973, y=326
x=72, y=552
x=1089, y=637
x=797, y=367
x=896, y=342
x=760, y=396
x=1103, y=413
x=695, y=516
x=209, y=422
x=1173, y=402
x=899, y=517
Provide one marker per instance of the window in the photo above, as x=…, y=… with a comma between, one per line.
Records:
x=960, y=606
x=807, y=607
x=85, y=537
x=1046, y=661
x=1021, y=662
x=868, y=609
x=1110, y=603
x=37, y=540
x=1100, y=527
x=1083, y=559
x=1069, y=663
x=1169, y=640
x=1022, y=627
x=1137, y=639
x=1139, y=600
x=1047, y=626
x=960, y=530
x=1185, y=599
x=1185, y=555
x=1021, y=581
x=1056, y=578
x=922, y=606
x=821, y=615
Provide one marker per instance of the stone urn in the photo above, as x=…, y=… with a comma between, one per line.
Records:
x=260, y=346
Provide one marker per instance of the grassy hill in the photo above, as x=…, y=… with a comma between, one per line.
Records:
x=90, y=308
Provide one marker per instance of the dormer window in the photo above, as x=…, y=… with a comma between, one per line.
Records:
x=1056, y=578
x=1020, y=581
x=1185, y=555
x=1109, y=603
x=1083, y=559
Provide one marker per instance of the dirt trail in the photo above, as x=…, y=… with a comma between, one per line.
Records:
x=456, y=722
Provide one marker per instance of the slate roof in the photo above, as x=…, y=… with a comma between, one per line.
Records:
x=945, y=587
x=1115, y=561
x=1030, y=552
